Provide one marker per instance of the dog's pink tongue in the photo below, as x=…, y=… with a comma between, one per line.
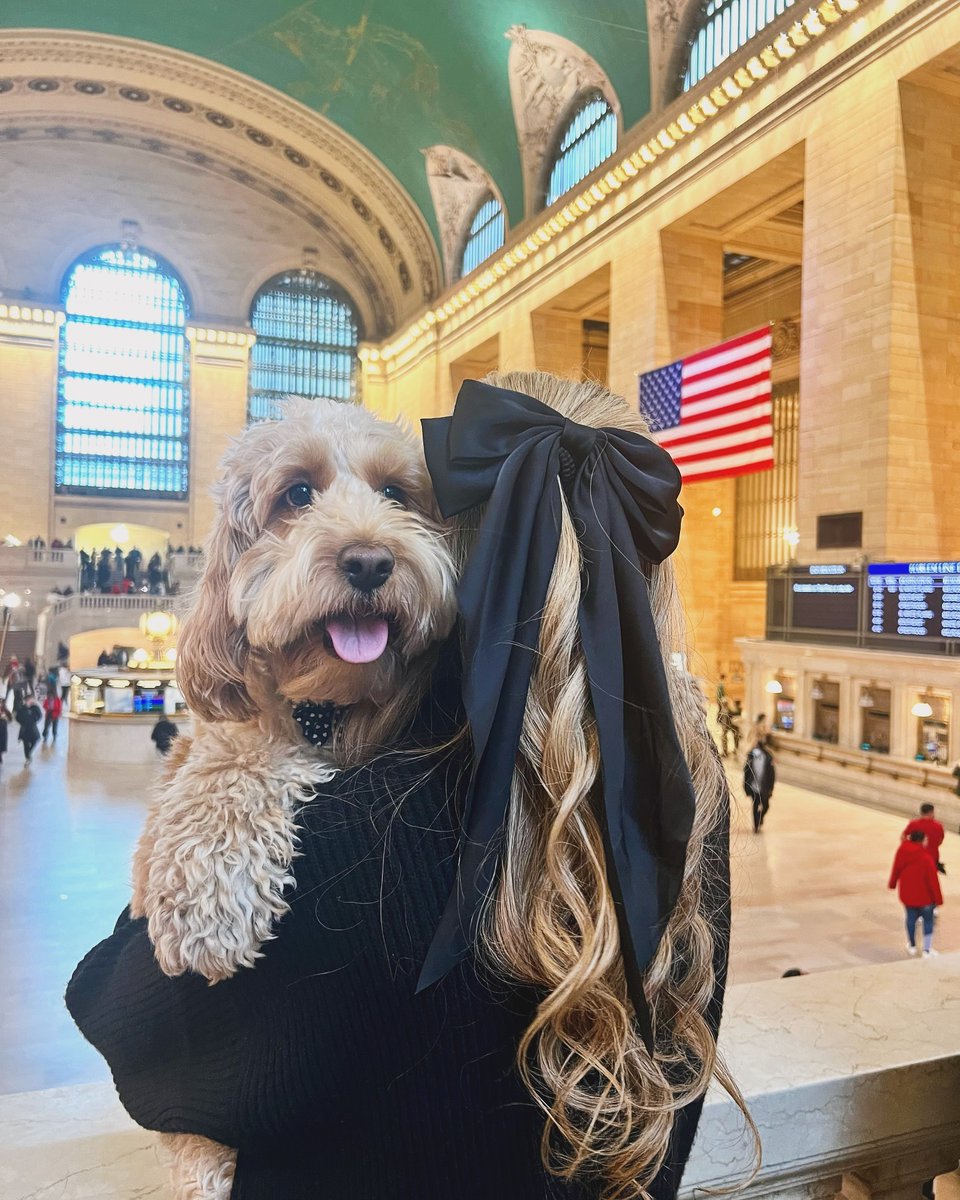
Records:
x=358, y=641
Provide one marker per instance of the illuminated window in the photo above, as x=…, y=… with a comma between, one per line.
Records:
x=722, y=27
x=307, y=333
x=122, y=402
x=589, y=138
x=485, y=234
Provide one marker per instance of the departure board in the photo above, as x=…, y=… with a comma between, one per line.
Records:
x=825, y=597
x=914, y=600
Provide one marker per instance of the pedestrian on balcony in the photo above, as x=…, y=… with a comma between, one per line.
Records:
x=30, y=676
x=132, y=566
x=155, y=574
x=915, y=878
x=28, y=715
x=104, y=571
x=759, y=777
x=52, y=711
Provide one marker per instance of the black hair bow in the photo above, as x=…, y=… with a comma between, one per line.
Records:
x=510, y=451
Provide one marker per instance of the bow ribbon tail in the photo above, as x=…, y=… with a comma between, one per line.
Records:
x=502, y=594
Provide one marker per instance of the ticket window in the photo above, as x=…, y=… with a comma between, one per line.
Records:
x=785, y=704
x=875, y=719
x=825, y=695
x=933, y=729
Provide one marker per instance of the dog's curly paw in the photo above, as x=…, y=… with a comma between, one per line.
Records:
x=199, y=1169
x=214, y=861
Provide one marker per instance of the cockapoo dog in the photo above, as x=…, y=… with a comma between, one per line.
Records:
x=327, y=580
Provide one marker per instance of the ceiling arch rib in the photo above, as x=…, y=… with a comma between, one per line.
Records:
x=457, y=185
x=135, y=94
x=547, y=74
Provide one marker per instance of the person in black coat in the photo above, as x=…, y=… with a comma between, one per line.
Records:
x=163, y=734
x=759, y=777
x=29, y=717
x=104, y=571
x=4, y=724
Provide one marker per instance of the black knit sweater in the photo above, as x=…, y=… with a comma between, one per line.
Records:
x=321, y=1065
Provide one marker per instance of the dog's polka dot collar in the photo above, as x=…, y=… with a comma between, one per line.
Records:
x=316, y=721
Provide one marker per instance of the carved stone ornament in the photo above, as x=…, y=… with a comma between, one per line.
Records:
x=457, y=184
x=786, y=338
x=547, y=75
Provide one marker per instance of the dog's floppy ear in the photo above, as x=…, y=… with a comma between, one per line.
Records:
x=212, y=652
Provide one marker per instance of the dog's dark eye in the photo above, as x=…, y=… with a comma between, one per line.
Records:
x=299, y=495
x=394, y=493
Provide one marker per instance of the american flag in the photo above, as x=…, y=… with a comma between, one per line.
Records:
x=712, y=411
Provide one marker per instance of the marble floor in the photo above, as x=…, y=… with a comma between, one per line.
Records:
x=809, y=891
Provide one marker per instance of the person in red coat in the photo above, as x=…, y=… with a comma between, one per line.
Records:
x=932, y=832
x=919, y=889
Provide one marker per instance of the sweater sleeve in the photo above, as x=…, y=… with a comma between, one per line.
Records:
x=933, y=879
x=172, y=1045
x=896, y=869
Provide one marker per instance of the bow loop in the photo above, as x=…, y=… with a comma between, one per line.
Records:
x=507, y=450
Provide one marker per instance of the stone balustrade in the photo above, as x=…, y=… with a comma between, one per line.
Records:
x=852, y=1077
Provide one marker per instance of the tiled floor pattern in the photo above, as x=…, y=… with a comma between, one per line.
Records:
x=809, y=891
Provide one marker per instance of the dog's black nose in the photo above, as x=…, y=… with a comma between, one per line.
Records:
x=366, y=567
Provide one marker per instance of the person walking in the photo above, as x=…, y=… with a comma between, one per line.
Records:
x=52, y=711
x=915, y=877
x=932, y=832
x=4, y=723
x=163, y=734
x=760, y=730
x=63, y=681
x=30, y=676
x=28, y=717
x=759, y=777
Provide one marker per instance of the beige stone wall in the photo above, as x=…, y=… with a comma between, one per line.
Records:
x=28, y=390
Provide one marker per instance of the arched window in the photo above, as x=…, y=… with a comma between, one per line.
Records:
x=485, y=234
x=122, y=401
x=589, y=138
x=307, y=333
x=723, y=26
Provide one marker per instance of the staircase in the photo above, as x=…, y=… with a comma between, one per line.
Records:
x=58, y=622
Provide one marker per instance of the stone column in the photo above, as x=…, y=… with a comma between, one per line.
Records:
x=219, y=380
x=881, y=323
x=558, y=343
x=29, y=342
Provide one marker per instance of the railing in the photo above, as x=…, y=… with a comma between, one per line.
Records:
x=852, y=1077
x=925, y=775
x=23, y=558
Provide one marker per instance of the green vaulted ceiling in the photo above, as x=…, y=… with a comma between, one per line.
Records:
x=397, y=76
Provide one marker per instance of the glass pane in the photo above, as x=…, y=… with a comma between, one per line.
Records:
x=122, y=403
x=485, y=235
x=727, y=25
x=306, y=345
x=590, y=138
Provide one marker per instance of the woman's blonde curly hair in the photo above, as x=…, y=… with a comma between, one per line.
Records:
x=550, y=920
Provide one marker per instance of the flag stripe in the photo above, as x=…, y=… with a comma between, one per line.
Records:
x=732, y=450
x=725, y=400
x=712, y=385
x=693, y=429
x=729, y=348
x=713, y=411
x=729, y=435
x=703, y=476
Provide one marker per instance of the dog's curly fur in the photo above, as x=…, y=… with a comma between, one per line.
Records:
x=214, y=861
